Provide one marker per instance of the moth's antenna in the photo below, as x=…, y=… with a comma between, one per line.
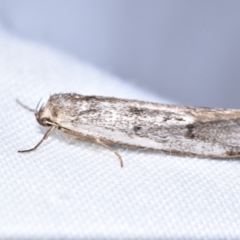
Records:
x=24, y=106
x=38, y=105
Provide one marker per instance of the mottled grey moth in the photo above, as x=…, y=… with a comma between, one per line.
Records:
x=180, y=130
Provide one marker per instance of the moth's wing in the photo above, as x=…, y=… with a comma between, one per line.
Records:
x=217, y=130
x=181, y=130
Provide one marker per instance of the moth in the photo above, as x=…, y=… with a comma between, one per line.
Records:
x=172, y=129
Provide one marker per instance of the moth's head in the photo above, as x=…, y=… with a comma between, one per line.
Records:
x=43, y=117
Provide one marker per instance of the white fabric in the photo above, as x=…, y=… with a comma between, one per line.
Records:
x=73, y=189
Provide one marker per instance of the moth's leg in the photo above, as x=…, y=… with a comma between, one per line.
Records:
x=111, y=149
x=81, y=136
x=44, y=138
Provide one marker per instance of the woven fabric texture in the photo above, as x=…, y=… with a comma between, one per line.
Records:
x=74, y=189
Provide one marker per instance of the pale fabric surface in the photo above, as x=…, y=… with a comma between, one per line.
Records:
x=68, y=189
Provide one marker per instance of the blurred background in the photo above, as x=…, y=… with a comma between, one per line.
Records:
x=186, y=51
